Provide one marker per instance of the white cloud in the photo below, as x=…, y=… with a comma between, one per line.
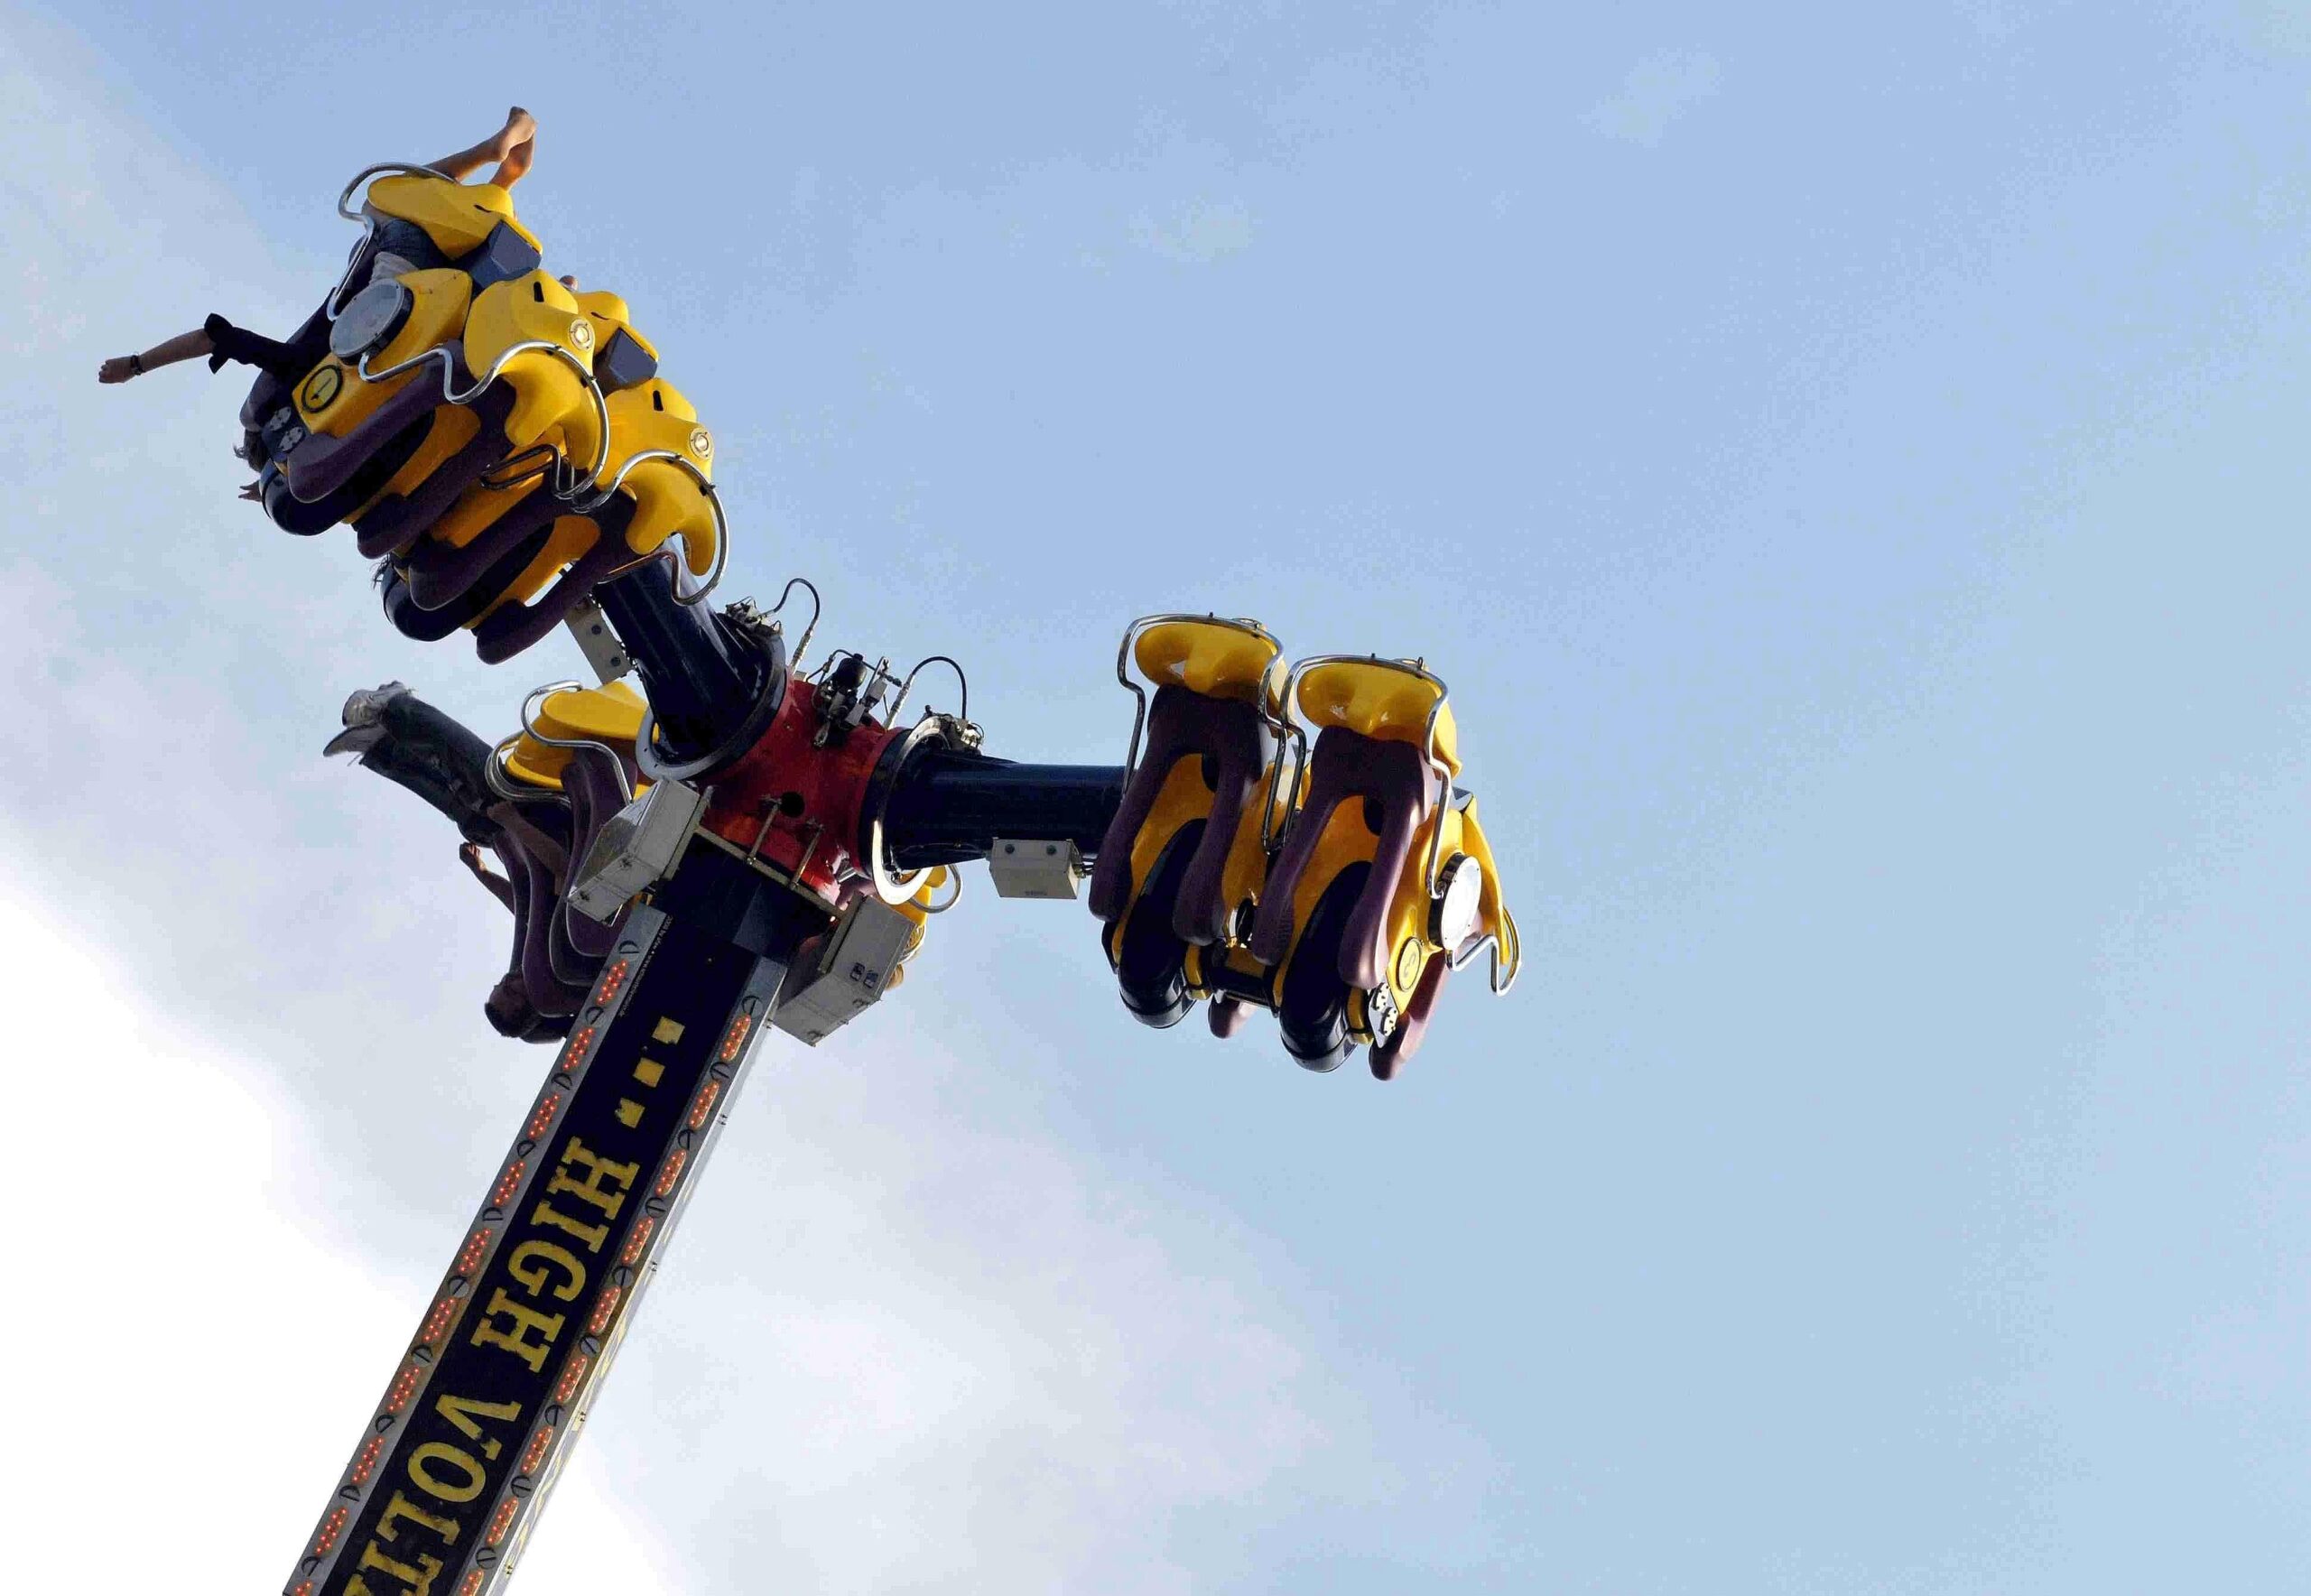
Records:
x=959, y=1356
x=195, y=1364
x=1657, y=91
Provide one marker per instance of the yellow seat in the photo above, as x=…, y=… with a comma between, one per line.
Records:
x=611, y=317
x=1220, y=659
x=454, y=427
x=332, y=399
x=651, y=416
x=551, y=384
x=668, y=500
x=552, y=403
x=571, y=537
x=610, y=713
x=1380, y=699
x=607, y=307
x=457, y=217
x=534, y=763
x=1406, y=928
x=623, y=357
x=481, y=508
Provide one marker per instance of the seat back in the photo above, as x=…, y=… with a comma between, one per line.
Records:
x=1213, y=657
x=1208, y=747
x=1385, y=699
x=550, y=383
x=670, y=499
x=459, y=218
x=1386, y=778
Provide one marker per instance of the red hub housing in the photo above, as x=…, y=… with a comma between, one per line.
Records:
x=794, y=802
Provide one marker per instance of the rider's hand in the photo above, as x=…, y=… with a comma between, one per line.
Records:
x=118, y=369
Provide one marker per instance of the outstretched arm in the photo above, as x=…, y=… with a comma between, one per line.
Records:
x=185, y=345
x=469, y=854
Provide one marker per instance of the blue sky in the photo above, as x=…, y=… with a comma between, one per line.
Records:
x=1840, y=461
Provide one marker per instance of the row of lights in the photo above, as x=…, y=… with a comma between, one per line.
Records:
x=367, y=1463
x=737, y=1039
x=506, y=1182
x=612, y=977
x=470, y=1254
x=604, y=1309
x=503, y=1520
x=699, y=1115
x=397, y=1397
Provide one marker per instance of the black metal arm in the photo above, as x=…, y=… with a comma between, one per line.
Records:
x=700, y=673
x=947, y=806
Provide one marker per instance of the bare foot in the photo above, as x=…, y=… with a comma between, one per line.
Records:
x=118, y=369
x=514, y=162
x=519, y=129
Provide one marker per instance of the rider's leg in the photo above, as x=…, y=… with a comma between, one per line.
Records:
x=499, y=146
x=517, y=160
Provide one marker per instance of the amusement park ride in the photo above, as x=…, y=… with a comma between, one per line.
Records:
x=728, y=835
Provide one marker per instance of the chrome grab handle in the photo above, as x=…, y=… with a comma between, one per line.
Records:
x=385, y=169
x=449, y=394
x=1466, y=956
x=1491, y=941
x=493, y=774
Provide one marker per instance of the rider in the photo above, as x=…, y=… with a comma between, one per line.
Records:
x=402, y=247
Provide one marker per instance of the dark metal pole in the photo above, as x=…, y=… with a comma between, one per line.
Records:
x=701, y=675
x=947, y=806
x=450, y=1472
